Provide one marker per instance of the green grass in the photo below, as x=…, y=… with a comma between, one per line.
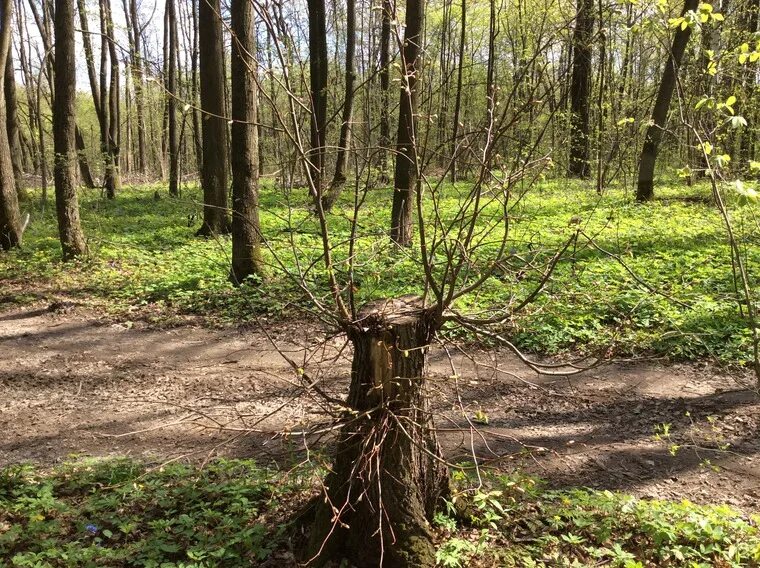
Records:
x=515, y=521
x=146, y=262
x=118, y=513
x=234, y=513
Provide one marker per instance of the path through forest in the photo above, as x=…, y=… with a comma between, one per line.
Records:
x=72, y=382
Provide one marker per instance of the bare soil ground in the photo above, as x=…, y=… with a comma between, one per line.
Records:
x=74, y=383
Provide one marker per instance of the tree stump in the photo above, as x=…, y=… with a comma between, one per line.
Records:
x=388, y=475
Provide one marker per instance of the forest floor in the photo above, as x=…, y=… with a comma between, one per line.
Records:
x=73, y=382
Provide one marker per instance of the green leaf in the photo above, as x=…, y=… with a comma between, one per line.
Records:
x=737, y=121
x=746, y=194
x=702, y=103
x=722, y=160
x=480, y=417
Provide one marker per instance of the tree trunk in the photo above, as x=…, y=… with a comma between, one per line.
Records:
x=171, y=93
x=339, y=178
x=64, y=126
x=246, y=250
x=388, y=476
x=749, y=23
x=444, y=61
x=490, y=82
x=318, y=67
x=11, y=116
x=645, y=188
x=458, y=99
x=137, y=74
x=385, y=84
x=100, y=91
x=214, y=126
x=580, y=92
x=84, y=166
x=197, y=141
x=600, y=110
x=405, y=177
x=112, y=180
x=10, y=226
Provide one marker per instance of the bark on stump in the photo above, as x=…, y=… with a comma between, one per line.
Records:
x=388, y=476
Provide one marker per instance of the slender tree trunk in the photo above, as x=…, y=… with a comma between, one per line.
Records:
x=171, y=88
x=246, y=250
x=197, y=139
x=29, y=84
x=84, y=166
x=600, y=111
x=490, y=79
x=444, y=61
x=215, y=160
x=11, y=111
x=126, y=149
x=387, y=477
x=112, y=174
x=164, y=98
x=385, y=85
x=99, y=88
x=103, y=87
x=645, y=188
x=10, y=225
x=90, y=61
x=137, y=77
x=580, y=92
x=318, y=69
x=405, y=177
x=458, y=99
x=64, y=128
x=339, y=178
x=749, y=20
x=41, y=142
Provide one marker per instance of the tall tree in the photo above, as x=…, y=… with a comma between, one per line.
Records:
x=645, y=187
x=458, y=97
x=339, y=178
x=194, y=89
x=385, y=84
x=405, y=177
x=750, y=17
x=214, y=126
x=580, y=91
x=10, y=226
x=102, y=97
x=11, y=112
x=171, y=93
x=64, y=126
x=491, y=75
x=135, y=44
x=246, y=249
x=112, y=181
x=318, y=68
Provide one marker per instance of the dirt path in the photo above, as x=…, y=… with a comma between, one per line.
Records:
x=71, y=383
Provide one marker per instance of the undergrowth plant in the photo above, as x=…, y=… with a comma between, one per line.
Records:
x=146, y=263
x=234, y=513
x=119, y=512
